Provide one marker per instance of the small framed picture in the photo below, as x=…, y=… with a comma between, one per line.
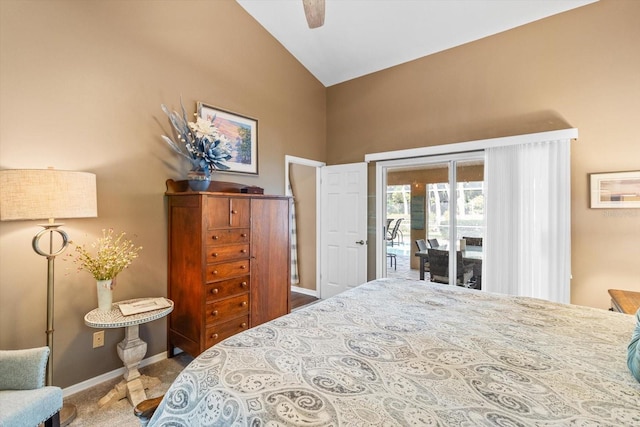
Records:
x=615, y=190
x=242, y=133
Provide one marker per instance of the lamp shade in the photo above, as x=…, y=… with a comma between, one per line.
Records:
x=47, y=193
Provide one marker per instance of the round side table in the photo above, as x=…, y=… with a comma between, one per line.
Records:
x=131, y=349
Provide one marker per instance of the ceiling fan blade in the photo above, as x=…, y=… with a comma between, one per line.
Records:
x=314, y=11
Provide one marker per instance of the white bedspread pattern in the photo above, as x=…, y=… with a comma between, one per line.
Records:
x=400, y=353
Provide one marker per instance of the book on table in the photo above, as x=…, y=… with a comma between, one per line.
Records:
x=143, y=306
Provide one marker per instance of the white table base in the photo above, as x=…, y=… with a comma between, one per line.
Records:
x=134, y=391
x=131, y=351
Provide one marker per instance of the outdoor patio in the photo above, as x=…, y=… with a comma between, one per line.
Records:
x=403, y=253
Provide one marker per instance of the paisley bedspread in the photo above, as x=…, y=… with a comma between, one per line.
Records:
x=395, y=352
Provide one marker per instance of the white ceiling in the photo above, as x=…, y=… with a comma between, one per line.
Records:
x=360, y=37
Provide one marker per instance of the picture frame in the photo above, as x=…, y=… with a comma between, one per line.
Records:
x=241, y=131
x=614, y=190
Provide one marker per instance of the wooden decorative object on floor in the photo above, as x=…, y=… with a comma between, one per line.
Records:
x=145, y=409
x=624, y=301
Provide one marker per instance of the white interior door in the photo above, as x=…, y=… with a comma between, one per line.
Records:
x=343, y=228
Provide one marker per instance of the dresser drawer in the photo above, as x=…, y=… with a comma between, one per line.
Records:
x=226, y=253
x=224, y=330
x=219, y=310
x=226, y=288
x=227, y=236
x=228, y=269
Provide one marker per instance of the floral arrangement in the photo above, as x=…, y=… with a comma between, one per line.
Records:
x=114, y=254
x=204, y=146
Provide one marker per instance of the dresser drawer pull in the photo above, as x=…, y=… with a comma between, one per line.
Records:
x=214, y=291
x=214, y=313
x=214, y=336
x=243, y=267
x=243, y=325
x=244, y=304
x=214, y=237
x=233, y=211
x=244, y=251
x=215, y=271
x=243, y=235
x=243, y=284
x=215, y=254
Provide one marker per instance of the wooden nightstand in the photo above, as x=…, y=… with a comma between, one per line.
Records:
x=624, y=301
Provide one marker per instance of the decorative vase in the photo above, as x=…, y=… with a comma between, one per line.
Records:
x=105, y=295
x=198, y=180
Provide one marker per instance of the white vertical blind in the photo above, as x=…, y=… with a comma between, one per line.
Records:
x=528, y=220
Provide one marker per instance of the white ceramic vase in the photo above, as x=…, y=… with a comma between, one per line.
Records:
x=105, y=295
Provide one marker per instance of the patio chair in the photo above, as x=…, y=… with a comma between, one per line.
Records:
x=473, y=241
x=391, y=236
x=422, y=246
x=393, y=261
x=439, y=267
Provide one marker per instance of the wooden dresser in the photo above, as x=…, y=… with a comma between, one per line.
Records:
x=229, y=263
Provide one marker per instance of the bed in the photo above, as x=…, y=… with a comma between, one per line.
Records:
x=396, y=352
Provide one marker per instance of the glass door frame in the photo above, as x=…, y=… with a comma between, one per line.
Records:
x=383, y=167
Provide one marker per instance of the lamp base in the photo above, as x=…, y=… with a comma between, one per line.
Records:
x=67, y=414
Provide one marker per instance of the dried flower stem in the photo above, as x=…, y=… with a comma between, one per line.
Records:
x=113, y=256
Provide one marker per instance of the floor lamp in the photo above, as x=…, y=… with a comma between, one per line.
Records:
x=27, y=194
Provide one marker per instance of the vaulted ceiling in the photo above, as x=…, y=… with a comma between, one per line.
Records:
x=360, y=37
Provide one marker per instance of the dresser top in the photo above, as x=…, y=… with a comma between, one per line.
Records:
x=216, y=188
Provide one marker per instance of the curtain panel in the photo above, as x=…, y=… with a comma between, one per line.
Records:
x=528, y=220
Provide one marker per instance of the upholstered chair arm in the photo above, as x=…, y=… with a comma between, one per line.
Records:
x=23, y=369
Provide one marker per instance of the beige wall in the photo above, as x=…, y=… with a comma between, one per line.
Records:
x=81, y=88
x=578, y=69
x=81, y=85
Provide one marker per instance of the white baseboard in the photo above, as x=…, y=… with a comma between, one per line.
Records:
x=68, y=391
x=304, y=291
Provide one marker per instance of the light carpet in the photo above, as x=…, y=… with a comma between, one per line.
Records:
x=120, y=413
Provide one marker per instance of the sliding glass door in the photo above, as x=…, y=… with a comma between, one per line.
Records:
x=469, y=220
x=526, y=208
x=447, y=213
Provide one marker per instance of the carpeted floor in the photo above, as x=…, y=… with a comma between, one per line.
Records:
x=120, y=413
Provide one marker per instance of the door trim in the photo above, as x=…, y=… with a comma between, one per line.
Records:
x=288, y=160
x=480, y=144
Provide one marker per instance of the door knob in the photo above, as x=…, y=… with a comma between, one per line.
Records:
x=360, y=242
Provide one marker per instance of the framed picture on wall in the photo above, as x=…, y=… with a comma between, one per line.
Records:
x=615, y=190
x=242, y=134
